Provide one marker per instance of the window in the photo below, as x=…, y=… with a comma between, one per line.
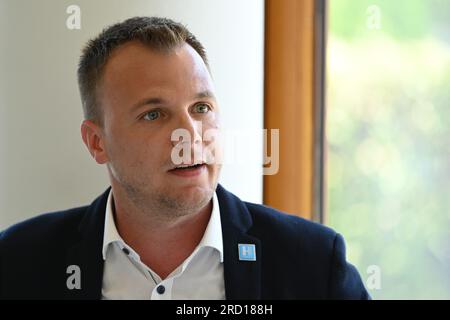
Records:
x=388, y=142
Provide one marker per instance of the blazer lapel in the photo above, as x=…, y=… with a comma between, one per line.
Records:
x=242, y=278
x=86, y=253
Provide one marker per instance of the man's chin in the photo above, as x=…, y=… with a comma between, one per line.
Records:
x=194, y=192
x=186, y=200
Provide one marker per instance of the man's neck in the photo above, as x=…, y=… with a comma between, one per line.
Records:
x=162, y=245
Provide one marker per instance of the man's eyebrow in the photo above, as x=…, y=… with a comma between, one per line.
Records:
x=147, y=101
x=207, y=94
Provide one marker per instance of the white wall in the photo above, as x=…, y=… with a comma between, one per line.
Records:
x=43, y=164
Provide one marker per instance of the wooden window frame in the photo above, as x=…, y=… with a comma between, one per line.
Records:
x=295, y=38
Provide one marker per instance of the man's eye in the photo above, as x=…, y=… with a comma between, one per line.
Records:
x=152, y=115
x=202, y=108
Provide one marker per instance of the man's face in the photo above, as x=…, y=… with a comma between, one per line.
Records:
x=145, y=95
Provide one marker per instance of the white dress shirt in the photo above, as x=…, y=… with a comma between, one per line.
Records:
x=200, y=276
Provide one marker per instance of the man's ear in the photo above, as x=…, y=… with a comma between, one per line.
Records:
x=93, y=139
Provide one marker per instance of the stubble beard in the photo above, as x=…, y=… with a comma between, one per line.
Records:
x=161, y=204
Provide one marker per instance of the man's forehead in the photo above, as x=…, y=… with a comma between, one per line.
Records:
x=140, y=73
x=136, y=62
x=136, y=56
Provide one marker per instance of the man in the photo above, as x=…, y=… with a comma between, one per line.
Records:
x=165, y=229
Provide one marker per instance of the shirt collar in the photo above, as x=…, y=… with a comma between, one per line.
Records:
x=110, y=234
x=211, y=238
x=213, y=233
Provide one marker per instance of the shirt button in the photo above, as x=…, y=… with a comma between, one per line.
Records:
x=126, y=251
x=160, y=289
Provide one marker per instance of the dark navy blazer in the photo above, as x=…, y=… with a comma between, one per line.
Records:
x=295, y=258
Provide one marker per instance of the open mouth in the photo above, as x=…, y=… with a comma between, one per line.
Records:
x=188, y=170
x=188, y=167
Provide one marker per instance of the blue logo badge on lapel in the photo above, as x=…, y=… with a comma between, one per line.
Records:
x=247, y=252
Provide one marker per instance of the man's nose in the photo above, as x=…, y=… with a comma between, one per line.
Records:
x=192, y=127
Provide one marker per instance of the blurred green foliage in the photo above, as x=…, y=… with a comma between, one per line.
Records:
x=402, y=19
x=388, y=136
